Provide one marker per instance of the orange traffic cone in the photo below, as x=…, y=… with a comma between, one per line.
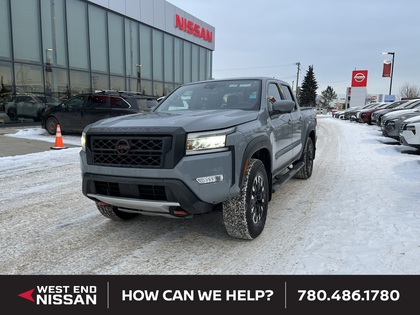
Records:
x=58, y=140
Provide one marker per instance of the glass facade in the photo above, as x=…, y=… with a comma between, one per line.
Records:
x=60, y=48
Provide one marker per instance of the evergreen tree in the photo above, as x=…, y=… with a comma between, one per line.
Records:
x=327, y=96
x=307, y=91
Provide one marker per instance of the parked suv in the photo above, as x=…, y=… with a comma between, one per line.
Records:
x=410, y=132
x=28, y=105
x=81, y=110
x=405, y=104
x=391, y=122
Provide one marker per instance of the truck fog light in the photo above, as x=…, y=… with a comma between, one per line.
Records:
x=209, y=179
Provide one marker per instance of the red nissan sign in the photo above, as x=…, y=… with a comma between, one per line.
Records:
x=192, y=28
x=359, y=78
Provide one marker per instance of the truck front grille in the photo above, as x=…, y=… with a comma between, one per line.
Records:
x=130, y=151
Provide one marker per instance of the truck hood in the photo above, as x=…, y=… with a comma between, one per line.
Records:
x=190, y=121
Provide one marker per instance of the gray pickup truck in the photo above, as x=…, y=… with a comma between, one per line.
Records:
x=214, y=145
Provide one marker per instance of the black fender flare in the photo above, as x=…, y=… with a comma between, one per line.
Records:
x=257, y=144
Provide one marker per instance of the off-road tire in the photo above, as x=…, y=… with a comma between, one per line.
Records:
x=113, y=213
x=244, y=216
x=308, y=158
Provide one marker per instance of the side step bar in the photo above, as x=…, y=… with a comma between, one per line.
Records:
x=284, y=178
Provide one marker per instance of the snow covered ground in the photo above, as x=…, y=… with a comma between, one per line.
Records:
x=359, y=213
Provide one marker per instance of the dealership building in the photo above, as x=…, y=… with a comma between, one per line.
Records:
x=61, y=48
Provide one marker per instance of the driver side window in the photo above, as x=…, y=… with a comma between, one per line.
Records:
x=273, y=95
x=75, y=104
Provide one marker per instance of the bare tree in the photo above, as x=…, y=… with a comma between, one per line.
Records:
x=409, y=91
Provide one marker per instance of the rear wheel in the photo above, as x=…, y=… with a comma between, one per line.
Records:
x=12, y=114
x=113, y=213
x=308, y=158
x=244, y=216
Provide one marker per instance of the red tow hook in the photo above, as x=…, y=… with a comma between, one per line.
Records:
x=180, y=212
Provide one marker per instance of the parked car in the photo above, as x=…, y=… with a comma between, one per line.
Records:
x=81, y=110
x=355, y=115
x=395, y=104
x=410, y=132
x=350, y=112
x=391, y=122
x=28, y=105
x=363, y=116
x=405, y=104
x=341, y=113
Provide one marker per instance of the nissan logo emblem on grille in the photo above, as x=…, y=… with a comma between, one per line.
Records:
x=122, y=147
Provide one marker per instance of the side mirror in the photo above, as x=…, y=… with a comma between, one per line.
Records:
x=284, y=106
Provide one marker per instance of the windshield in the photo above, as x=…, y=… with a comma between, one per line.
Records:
x=413, y=104
x=229, y=94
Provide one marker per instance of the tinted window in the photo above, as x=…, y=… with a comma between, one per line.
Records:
x=146, y=104
x=97, y=101
x=23, y=99
x=74, y=104
x=118, y=102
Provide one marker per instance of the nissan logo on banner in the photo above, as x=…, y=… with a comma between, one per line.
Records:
x=359, y=78
x=386, y=72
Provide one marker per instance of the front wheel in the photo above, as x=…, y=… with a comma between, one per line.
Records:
x=244, y=216
x=113, y=213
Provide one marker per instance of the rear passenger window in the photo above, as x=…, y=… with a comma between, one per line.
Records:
x=119, y=102
x=97, y=102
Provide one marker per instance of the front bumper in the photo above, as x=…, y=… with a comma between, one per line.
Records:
x=391, y=129
x=162, y=190
x=410, y=137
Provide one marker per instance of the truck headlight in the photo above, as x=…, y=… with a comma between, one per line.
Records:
x=207, y=142
x=83, y=141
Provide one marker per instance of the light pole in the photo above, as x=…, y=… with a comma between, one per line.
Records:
x=138, y=77
x=392, y=68
x=48, y=70
x=297, y=78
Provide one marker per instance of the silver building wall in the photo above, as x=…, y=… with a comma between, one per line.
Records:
x=60, y=48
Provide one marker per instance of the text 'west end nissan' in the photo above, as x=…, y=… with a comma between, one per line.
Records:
x=219, y=144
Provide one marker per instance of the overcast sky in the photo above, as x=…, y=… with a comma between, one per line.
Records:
x=268, y=37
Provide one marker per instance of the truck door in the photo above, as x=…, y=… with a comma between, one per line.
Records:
x=281, y=136
x=297, y=122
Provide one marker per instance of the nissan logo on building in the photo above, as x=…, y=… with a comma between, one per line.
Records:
x=122, y=147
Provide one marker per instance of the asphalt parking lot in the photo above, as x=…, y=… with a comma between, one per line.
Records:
x=11, y=146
